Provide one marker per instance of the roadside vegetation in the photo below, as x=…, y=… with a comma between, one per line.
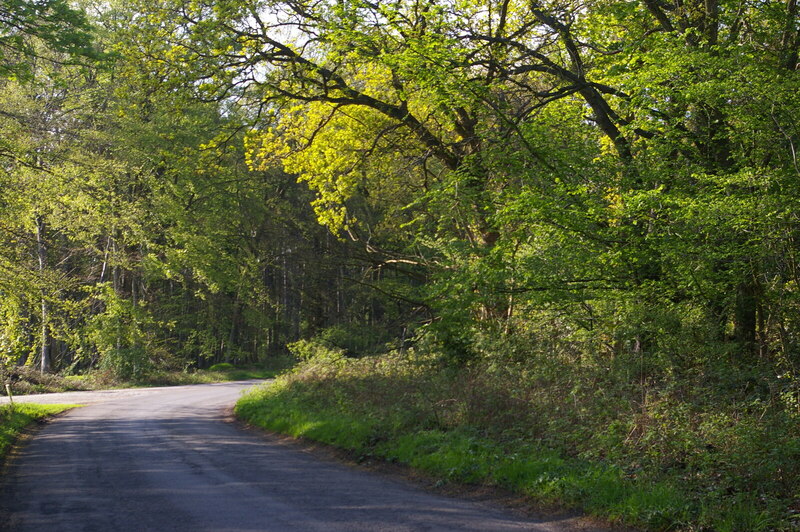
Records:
x=14, y=419
x=222, y=372
x=25, y=380
x=716, y=450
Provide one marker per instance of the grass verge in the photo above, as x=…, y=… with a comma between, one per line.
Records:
x=660, y=465
x=465, y=456
x=14, y=419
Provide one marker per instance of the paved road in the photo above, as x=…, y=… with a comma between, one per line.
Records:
x=165, y=459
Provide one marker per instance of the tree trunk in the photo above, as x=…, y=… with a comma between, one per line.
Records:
x=745, y=317
x=790, y=41
x=232, y=330
x=41, y=252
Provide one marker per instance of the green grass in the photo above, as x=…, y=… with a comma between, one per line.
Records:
x=13, y=419
x=466, y=456
x=677, y=466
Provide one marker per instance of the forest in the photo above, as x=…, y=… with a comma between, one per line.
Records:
x=578, y=221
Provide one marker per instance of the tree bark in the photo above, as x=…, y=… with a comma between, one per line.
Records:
x=41, y=253
x=790, y=40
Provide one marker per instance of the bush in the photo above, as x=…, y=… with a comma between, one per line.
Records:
x=315, y=349
x=222, y=366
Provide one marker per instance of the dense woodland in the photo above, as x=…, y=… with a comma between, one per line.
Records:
x=186, y=182
x=599, y=199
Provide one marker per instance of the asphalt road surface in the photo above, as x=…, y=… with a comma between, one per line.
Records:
x=166, y=459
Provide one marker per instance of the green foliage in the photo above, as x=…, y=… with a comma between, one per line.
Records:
x=351, y=339
x=122, y=336
x=310, y=350
x=159, y=250
x=222, y=366
x=603, y=183
x=25, y=24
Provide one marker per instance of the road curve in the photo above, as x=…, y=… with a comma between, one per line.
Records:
x=164, y=459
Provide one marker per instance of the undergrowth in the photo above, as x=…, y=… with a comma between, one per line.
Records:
x=646, y=454
x=221, y=374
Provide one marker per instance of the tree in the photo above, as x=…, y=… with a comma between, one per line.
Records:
x=440, y=118
x=37, y=29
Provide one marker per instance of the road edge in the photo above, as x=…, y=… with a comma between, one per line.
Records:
x=489, y=496
x=9, y=459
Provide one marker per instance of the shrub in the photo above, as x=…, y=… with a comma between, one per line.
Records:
x=222, y=366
